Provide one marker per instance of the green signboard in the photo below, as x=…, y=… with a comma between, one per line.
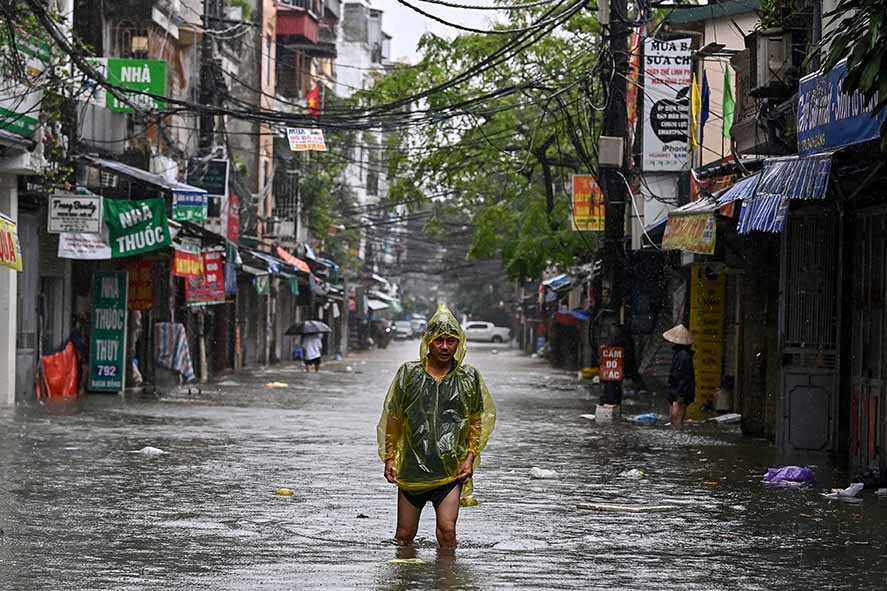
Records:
x=107, y=342
x=21, y=100
x=189, y=207
x=135, y=227
x=137, y=74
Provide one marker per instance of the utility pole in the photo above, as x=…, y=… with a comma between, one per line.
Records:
x=614, y=187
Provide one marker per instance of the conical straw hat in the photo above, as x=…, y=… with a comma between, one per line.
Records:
x=679, y=335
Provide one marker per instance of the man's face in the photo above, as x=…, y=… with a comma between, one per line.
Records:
x=443, y=348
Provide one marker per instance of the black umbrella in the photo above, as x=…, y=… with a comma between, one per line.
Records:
x=308, y=327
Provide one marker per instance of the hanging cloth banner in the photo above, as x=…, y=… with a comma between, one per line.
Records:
x=210, y=287
x=187, y=261
x=10, y=251
x=305, y=140
x=141, y=284
x=84, y=247
x=136, y=227
x=588, y=204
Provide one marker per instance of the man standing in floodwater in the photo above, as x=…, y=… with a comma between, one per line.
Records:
x=437, y=418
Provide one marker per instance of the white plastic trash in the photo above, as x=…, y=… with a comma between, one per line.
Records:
x=589, y=417
x=543, y=474
x=149, y=451
x=633, y=474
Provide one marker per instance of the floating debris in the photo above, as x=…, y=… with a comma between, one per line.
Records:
x=284, y=492
x=275, y=385
x=589, y=417
x=150, y=452
x=633, y=474
x=406, y=561
x=625, y=508
x=543, y=474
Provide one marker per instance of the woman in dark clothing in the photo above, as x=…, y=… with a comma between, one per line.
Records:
x=681, y=378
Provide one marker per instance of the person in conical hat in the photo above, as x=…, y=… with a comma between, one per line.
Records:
x=436, y=420
x=681, y=378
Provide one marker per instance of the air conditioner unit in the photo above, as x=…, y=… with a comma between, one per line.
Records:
x=773, y=56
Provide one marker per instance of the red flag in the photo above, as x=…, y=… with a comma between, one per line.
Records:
x=313, y=100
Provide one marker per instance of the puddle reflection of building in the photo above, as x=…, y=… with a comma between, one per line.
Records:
x=445, y=571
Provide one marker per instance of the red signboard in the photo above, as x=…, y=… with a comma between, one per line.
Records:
x=612, y=363
x=233, y=232
x=141, y=293
x=210, y=287
x=187, y=264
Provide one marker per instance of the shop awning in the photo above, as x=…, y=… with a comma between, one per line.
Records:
x=783, y=179
x=253, y=270
x=292, y=260
x=376, y=305
x=558, y=282
x=744, y=189
x=691, y=227
x=143, y=175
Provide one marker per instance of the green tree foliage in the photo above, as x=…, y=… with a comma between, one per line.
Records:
x=858, y=32
x=504, y=156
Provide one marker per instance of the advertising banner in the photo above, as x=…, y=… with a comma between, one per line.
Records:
x=828, y=118
x=21, y=100
x=305, y=140
x=233, y=230
x=10, y=250
x=141, y=279
x=187, y=261
x=690, y=233
x=588, y=204
x=667, y=73
x=707, y=314
x=74, y=213
x=210, y=287
x=189, y=207
x=107, y=342
x=136, y=226
x=143, y=75
x=84, y=247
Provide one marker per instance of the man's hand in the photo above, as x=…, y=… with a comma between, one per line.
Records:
x=390, y=471
x=466, y=468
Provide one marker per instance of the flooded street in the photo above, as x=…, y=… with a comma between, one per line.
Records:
x=79, y=510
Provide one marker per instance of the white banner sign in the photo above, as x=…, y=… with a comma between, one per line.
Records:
x=305, y=140
x=75, y=213
x=84, y=247
x=667, y=73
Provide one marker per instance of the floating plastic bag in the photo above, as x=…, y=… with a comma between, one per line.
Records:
x=789, y=475
x=543, y=474
x=650, y=418
x=60, y=374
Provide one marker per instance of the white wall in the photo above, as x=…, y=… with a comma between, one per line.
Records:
x=8, y=298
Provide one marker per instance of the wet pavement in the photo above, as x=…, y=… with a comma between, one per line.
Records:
x=80, y=510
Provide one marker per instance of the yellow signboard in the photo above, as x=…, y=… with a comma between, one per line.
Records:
x=692, y=233
x=588, y=204
x=10, y=251
x=707, y=308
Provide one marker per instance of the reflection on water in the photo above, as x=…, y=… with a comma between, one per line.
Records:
x=79, y=511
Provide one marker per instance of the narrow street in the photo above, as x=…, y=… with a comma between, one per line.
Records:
x=79, y=510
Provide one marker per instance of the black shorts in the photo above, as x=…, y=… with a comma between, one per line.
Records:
x=435, y=495
x=310, y=362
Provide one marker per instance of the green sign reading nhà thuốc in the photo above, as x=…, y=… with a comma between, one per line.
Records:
x=107, y=342
x=135, y=227
x=135, y=74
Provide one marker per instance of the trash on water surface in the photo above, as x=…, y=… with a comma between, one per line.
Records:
x=881, y=492
x=348, y=369
x=589, y=417
x=789, y=476
x=625, y=508
x=284, y=492
x=543, y=474
x=729, y=418
x=273, y=385
x=846, y=494
x=362, y=516
x=650, y=418
x=149, y=451
x=634, y=474
x=406, y=561
x=710, y=482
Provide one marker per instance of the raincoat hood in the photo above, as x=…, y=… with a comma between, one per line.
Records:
x=443, y=323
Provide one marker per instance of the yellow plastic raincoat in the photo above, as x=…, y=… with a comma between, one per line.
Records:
x=428, y=427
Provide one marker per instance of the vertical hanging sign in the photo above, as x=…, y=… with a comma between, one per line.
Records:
x=667, y=73
x=588, y=204
x=107, y=343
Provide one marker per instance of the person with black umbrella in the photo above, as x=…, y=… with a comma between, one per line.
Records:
x=311, y=342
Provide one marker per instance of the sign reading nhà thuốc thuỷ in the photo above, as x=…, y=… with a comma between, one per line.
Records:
x=107, y=343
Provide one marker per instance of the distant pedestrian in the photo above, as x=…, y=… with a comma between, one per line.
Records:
x=312, y=347
x=681, y=378
x=436, y=420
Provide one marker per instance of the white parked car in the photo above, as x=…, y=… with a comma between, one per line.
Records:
x=403, y=329
x=475, y=330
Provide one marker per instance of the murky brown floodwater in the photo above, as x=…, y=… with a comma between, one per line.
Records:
x=79, y=511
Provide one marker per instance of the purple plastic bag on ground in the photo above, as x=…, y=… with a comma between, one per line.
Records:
x=789, y=474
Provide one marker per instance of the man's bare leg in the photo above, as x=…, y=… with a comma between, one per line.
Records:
x=407, y=520
x=447, y=513
x=678, y=412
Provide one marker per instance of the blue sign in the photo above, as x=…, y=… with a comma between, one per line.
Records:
x=829, y=119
